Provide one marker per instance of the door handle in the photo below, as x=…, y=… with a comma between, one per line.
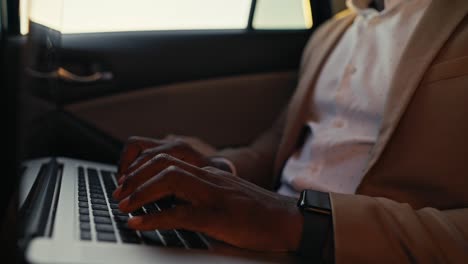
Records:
x=64, y=74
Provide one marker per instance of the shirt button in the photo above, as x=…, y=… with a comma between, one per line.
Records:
x=375, y=19
x=351, y=69
x=338, y=123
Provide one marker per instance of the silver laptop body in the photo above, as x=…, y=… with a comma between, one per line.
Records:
x=68, y=228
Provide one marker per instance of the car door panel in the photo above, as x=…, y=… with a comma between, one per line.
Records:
x=142, y=59
x=225, y=111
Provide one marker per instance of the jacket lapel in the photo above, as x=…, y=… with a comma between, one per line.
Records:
x=434, y=29
x=297, y=111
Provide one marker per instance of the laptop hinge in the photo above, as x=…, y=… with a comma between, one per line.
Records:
x=38, y=212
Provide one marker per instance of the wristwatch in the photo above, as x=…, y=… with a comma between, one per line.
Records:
x=318, y=225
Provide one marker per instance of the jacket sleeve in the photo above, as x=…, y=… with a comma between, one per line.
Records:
x=379, y=230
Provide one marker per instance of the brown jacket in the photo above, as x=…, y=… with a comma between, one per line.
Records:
x=412, y=205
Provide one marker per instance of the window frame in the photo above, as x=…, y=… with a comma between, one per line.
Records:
x=321, y=11
x=11, y=22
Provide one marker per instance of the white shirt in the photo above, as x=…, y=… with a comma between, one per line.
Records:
x=349, y=99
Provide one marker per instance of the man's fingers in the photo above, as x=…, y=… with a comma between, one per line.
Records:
x=168, y=148
x=151, y=168
x=179, y=217
x=172, y=181
x=132, y=149
x=139, y=161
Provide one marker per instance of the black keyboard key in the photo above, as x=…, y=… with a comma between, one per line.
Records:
x=104, y=228
x=108, y=183
x=192, y=239
x=101, y=213
x=128, y=232
x=138, y=212
x=112, y=200
x=130, y=237
x=151, y=208
x=93, y=178
x=85, y=235
x=102, y=220
x=82, y=193
x=84, y=218
x=123, y=226
x=92, y=172
x=85, y=226
x=96, y=192
x=95, y=188
x=94, y=181
x=83, y=199
x=97, y=196
x=83, y=204
x=118, y=212
x=84, y=211
x=99, y=207
x=106, y=174
x=131, y=240
x=82, y=189
x=110, y=186
x=165, y=203
x=114, y=206
x=98, y=201
x=106, y=237
x=109, y=192
x=151, y=238
x=171, y=238
x=121, y=218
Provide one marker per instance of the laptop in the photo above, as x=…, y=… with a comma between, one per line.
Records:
x=69, y=216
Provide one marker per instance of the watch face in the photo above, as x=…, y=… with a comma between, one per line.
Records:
x=315, y=201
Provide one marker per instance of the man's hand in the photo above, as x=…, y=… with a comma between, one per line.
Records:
x=139, y=150
x=214, y=202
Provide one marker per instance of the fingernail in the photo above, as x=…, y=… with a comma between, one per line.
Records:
x=116, y=194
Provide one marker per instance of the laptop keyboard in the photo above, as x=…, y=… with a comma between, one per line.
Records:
x=101, y=220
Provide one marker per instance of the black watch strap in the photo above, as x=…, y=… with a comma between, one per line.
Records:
x=318, y=225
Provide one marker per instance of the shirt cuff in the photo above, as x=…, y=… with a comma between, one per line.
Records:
x=227, y=162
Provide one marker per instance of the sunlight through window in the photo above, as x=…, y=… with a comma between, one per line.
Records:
x=88, y=16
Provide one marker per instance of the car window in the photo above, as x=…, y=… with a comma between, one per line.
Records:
x=89, y=16
x=281, y=14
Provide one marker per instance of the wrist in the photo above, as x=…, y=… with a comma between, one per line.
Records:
x=317, y=230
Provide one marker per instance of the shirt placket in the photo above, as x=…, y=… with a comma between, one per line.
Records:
x=343, y=96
